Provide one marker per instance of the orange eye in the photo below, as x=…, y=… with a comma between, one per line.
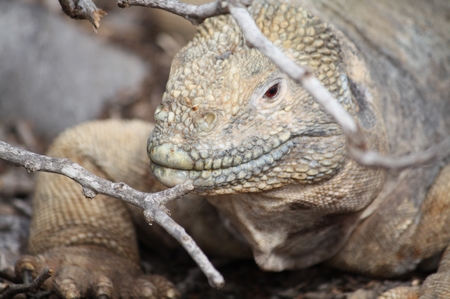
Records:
x=272, y=91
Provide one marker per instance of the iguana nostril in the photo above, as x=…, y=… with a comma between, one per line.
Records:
x=209, y=118
x=207, y=122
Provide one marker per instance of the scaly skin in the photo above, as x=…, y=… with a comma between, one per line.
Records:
x=269, y=166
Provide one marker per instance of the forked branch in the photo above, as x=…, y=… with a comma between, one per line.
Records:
x=86, y=9
x=153, y=204
x=31, y=287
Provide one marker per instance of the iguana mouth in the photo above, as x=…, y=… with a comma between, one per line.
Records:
x=228, y=179
x=301, y=159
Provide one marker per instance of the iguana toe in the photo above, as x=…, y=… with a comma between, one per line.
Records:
x=103, y=287
x=33, y=264
x=72, y=282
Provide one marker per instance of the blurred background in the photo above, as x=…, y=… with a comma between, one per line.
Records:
x=56, y=72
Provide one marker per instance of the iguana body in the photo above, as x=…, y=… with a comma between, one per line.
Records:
x=269, y=166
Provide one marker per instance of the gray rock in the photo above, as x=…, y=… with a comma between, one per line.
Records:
x=55, y=75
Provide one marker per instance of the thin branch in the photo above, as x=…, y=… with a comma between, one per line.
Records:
x=32, y=287
x=302, y=76
x=356, y=144
x=196, y=14
x=92, y=184
x=153, y=204
x=374, y=159
x=215, y=279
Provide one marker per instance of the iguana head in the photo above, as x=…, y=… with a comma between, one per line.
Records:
x=232, y=122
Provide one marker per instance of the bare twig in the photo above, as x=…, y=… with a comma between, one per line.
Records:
x=196, y=14
x=152, y=204
x=302, y=76
x=215, y=279
x=356, y=144
x=374, y=159
x=92, y=184
x=32, y=287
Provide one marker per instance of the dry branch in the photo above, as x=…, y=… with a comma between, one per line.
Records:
x=153, y=204
x=357, y=147
x=32, y=287
x=196, y=14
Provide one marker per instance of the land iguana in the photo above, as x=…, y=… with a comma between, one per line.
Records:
x=270, y=168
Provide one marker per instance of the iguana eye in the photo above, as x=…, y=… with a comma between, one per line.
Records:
x=272, y=92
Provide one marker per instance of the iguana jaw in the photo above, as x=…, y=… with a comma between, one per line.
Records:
x=223, y=178
x=301, y=159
